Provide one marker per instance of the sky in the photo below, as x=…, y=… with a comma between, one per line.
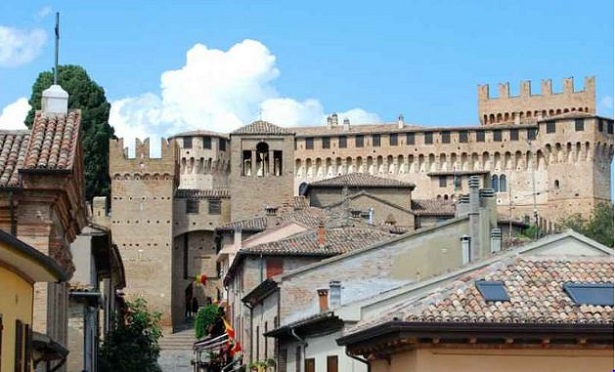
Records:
x=172, y=66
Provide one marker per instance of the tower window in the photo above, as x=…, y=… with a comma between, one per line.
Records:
x=463, y=136
x=207, y=142
x=393, y=139
x=610, y=128
x=446, y=137
x=187, y=142
x=514, y=134
x=550, y=127
x=309, y=143
x=214, y=206
x=600, y=126
x=192, y=206
x=358, y=141
x=556, y=184
x=428, y=138
x=442, y=181
x=341, y=142
x=326, y=142
x=262, y=159
x=277, y=163
x=531, y=134
x=495, y=184
x=502, y=183
x=246, y=163
x=480, y=136
x=579, y=125
x=410, y=139
x=376, y=140
x=222, y=145
x=497, y=136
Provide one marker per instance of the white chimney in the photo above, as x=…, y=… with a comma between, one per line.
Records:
x=400, y=121
x=465, y=249
x=346, y=124
x=55, y=100
x=335, y=294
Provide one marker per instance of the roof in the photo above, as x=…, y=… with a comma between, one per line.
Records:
x=361, y=180
x=309, y=217
x=201, y=194
x=262, y=127
x=53, y=141
x=200, y=132
x=371, y=196
x=13, y=149
x=433, y=207
x=533, y=283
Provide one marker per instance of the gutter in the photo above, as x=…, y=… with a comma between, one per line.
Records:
x=364, y=361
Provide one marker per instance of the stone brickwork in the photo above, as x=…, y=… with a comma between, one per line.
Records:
x=204, y=160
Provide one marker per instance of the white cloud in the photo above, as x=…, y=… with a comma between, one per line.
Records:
x=18, y=47
x=43, y=12
x=607, y=102
x=220, y=91
x=14, y=114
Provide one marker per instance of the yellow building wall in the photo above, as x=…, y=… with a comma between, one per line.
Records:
x=511, y=360
x=16, y=296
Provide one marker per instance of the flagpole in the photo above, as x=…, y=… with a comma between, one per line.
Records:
x=57, y=32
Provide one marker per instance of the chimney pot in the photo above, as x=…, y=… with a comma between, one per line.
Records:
x=55, y=100
x=335, y=294
x=321, y=235
x=323, y=299
x=400, y=121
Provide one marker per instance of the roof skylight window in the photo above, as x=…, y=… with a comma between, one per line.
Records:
x=590, y=293
x=492, y=290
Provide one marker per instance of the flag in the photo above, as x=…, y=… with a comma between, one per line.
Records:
x=229, y=330
x=57, y=28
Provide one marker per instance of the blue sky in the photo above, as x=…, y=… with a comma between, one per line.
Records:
x=303, y=60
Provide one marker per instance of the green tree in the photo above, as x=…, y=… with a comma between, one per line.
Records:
x=132, y=346
x=599, y=226
x=87, y=95
x=205, y=317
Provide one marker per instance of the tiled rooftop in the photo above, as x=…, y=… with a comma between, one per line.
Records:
x=309, y=217
x=362, y=180
x=201, y=194
x=262, y=127
x=535, y=288
x=13, y=149
x=433, y=207
x=200, y=133
x=337, y=241
x=53, y=141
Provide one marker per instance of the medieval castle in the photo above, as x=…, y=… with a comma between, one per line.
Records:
x=545, y=156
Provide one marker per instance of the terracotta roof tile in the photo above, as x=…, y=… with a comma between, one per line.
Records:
x=200, y=132
x=262, y=127
x=361, y=180
x=309, y=217
x=53, y=141
x=433, y=207
x=201, y=194
x=13, y=149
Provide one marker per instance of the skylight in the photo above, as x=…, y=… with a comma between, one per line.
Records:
x=492, y=290
x=590, y=293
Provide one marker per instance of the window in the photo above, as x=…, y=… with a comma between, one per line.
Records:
x=442, y=180
x=610, y=127
x=298, y=359
x=556, y=184
x=185, y=256
x=600, y=126
x=326, y=143
x=492, y=290
x=550, y=127
x=590, y=293
x=309, y=143
x=214, y=206
x=579, y=125
x=341, y=142
x=495, y=183
x=332, y=365
x=463, y=136
x=310, y=365
x=28, y=348
x=265, y=339
x=222, y=144
x=480, y=136
x=192, y=206
x=446, y=137
x=428, y=138
x=358, y=141
x=274, y=266
x=531, y=134
x=393, y=139
x=246, y=169
x=18, y=345
x=207, y=142
x=502, y=183
x=376, y=140
x=514, y=134
x=187, y=142
x=282, y=360
x=497, y=136
x=258, y=339
x=410, y=139
x=277, y=163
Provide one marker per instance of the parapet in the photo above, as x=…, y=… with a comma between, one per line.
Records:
x=143, y=161
x=527, y=106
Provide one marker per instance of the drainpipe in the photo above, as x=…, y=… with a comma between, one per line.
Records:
x=364, y=361
x=13, y=224
x=301, y=341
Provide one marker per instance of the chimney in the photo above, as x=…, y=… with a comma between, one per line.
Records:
x=496, y=240
x=55, y=100
x=371, y=216
x=335, y=294
x=334, y=120
x=329, y=122
x=323, y=299
x=237, y=238
x=271, y=214
x=346, y=124
x=463, y=205
x=355, y=213
x=321, y=235
x=400, y=121
x=475, y=220
x=465, y=249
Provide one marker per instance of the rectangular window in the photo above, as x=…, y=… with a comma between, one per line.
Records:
x=442, y=181
x=610, y=128
x=514, y=134
x=480, y=136
x=446, y=137
x=332, y=365
x=550, y=127
x=463, y=137
x=579, y=125
x=214, y=206
x=497, y=136
x=341, y=142
x=376, y=140
x=258, y=339
x=246, y=169
x=18, y=346
x=222, y=144
x=358, y=141
x=277, y=163
x=309, y=143
x=600, y=294
x=428, y=138
x=282, y=360
x=393, y=139
x=207, y=142
x=298, y=359
x=275, y=266
x=310, y=365
x=187, y=142
x=531, y=134
x=326, y=143
x=410, y=139
x=492, y=290
x=192, y=206
x=600, y=126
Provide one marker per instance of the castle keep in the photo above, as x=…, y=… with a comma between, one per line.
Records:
x=545, y=156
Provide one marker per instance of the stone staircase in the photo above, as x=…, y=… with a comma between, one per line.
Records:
x=176, y=350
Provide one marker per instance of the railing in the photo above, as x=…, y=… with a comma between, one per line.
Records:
x=211, y=354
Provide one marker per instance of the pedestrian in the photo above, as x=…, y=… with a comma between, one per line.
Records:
x=195, y=306
x=188, y=308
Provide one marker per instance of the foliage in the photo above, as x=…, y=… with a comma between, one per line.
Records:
x=87, y=95
x=532, y=232
x=599, y=226
x=262, y=365
x=204, y=319
x=133, y=344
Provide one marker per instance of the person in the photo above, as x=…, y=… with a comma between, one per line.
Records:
x=195, y=306
x=188, y=308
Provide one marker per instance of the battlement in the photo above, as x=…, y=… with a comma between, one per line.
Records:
x=527, y=106
x=143, y=162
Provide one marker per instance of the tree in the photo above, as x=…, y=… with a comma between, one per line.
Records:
x=87, y=95
x=132, y=346
x=205, y=317
x=599, y=226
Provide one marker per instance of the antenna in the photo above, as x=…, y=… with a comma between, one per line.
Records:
x=57, y=31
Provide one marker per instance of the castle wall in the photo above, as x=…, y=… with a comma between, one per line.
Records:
x=204, y=161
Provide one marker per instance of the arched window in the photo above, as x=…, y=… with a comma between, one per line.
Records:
x=262, y=159
x=502, y=183
x=494, y=183
x=556, y=185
